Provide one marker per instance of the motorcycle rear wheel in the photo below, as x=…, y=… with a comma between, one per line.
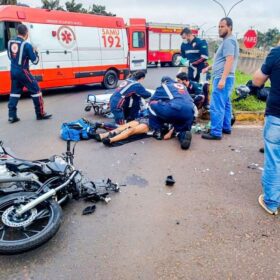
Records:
x=32, y=229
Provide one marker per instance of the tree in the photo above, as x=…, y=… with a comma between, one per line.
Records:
x=8, y=2
x=71, y=6
x=51, y=5
x=99, y=10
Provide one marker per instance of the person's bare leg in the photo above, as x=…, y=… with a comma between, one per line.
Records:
x=139, y=129
x=168, y=135
x=119, y=129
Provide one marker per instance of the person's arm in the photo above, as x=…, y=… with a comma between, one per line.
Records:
x=262, y=75
x=32, y=54
x=203, y=50
x=206, y=69
x=183, y=54
x=142, y=92
x=259, y=78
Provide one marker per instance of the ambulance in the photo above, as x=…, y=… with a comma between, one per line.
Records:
x=76, y=49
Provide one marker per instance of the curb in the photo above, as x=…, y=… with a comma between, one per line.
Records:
x=240, y=116
x=249, y=116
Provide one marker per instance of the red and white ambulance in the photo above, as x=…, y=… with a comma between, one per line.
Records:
x=77, y=49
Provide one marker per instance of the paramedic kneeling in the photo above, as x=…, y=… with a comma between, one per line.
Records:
x=172, y=104
x=126, y=100
x=20, y=52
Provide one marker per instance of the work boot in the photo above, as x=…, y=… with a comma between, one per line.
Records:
x=226, y=131
x=209, y=136
x=185, y=139
x=44, y=117
x=13, y=120
x=107, y=142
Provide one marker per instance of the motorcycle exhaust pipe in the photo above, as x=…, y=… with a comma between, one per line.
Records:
x=16, y=179
x=44, y=197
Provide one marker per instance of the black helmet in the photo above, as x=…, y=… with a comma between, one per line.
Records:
x=243, y=91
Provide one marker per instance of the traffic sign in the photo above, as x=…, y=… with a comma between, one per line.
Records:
x=250, y=39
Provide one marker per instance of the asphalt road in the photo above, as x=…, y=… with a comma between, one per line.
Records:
x=208, y=226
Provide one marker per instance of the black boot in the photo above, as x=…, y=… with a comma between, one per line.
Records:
x=13, y=120
x=209, y=136
x=44, y=117
x=185, y=139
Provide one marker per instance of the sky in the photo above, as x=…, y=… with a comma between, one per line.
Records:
x=259, y=14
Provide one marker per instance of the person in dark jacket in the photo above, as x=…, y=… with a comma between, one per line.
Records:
x=126, y=99
x=20, y=52
x=195, y=51
x=199, y=93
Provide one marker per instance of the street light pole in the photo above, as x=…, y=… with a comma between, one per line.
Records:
x=223, y=8
x=205, y=31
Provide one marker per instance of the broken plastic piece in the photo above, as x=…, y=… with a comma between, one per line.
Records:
x=89, y=210
x=170, y=181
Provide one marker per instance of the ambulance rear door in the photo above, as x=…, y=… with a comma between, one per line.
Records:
x=137, y=44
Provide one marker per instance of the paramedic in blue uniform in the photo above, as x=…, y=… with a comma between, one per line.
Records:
x=172, y=104
x=195, y=51
x=199, y=94
x=126, y=99
x=20, y=52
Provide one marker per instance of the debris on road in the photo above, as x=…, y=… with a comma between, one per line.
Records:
x=170, y=181
x=89, y=210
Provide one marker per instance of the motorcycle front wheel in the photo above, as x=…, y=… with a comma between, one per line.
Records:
x=19, y=234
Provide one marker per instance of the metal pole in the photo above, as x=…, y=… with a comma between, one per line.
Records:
x=217, y=2
x=234, y=6
x=225, y=13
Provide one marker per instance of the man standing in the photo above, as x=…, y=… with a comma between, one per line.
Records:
x=225, y=63
x=20, y=52
x=270, y=199
x=195, y=51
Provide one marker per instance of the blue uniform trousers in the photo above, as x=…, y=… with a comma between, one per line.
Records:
x=22, y=78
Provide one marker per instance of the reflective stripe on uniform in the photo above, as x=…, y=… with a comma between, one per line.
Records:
x=9, y=49
x=36, y=95
x=15, y=95
x=168, y=92
x=36, y=60
x=204, y=56
x=192, y=51
x=21, y=52
x=127, y=87
x=152, y=111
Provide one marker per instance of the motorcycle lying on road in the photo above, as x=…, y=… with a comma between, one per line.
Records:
x=31, y=193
